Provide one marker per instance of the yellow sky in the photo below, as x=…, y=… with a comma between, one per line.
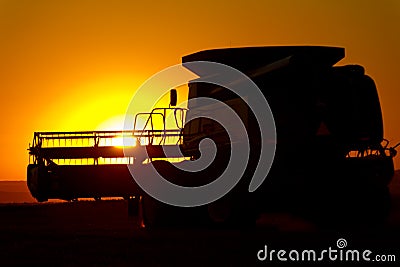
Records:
x=73, y=64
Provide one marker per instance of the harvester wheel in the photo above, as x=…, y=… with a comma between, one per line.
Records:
x=156, y=214
x=356, y=209
x=232, y=213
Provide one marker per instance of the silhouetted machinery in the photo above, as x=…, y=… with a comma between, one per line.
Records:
x=331, y=162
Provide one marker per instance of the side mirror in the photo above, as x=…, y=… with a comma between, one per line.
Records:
x=173, y=97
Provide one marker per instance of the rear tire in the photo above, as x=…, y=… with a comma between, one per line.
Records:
x=355, y=209
x=156, y=214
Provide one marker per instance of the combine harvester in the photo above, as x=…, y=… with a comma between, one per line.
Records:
x=331, y=162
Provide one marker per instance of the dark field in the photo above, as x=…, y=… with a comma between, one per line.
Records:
x=88, y=233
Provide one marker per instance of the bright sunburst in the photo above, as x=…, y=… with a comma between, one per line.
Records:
x=116, y=123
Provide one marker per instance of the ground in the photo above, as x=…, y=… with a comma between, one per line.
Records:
x=89, y=233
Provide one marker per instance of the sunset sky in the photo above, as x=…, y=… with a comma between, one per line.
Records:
x=74, y=64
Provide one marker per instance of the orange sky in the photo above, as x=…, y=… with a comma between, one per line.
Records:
x=73, y=64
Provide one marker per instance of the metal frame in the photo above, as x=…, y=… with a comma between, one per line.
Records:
x=50, y=146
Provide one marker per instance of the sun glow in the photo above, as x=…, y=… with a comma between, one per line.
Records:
x=116, y=123
x=123, y=141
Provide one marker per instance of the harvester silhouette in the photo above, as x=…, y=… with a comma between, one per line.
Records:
x=331, y=162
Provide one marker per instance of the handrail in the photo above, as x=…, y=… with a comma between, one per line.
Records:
x=163, y=114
